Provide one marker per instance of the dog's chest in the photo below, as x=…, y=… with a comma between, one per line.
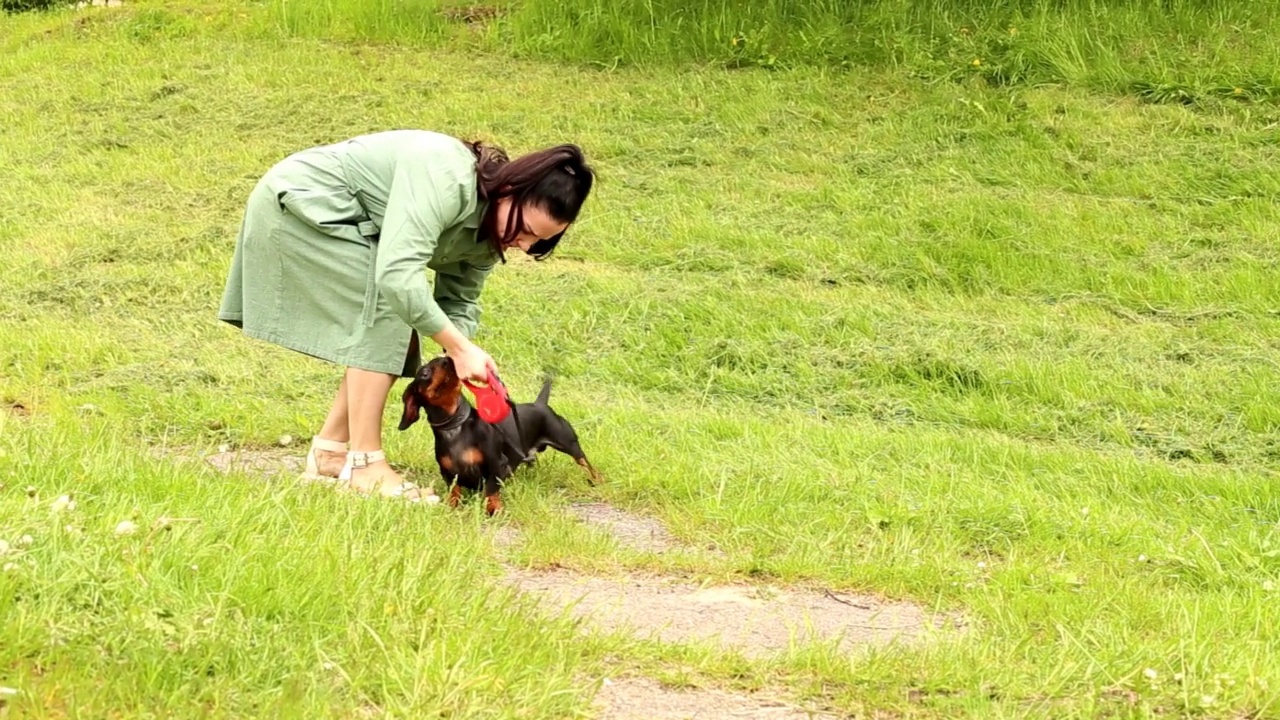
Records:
x=461, y=449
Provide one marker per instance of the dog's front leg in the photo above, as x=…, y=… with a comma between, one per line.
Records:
x=492, y=496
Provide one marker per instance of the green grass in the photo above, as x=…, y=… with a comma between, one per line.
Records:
x=1200, y=46
x=1176, y=51
x=1002, y=350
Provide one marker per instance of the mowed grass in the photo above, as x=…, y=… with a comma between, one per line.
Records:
x=1004, y=352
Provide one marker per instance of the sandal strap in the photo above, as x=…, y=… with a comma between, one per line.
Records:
x=319, y=443
x=420, y=494
x=364, y=459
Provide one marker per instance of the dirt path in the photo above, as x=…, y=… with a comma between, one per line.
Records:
x=257, y=462
x=631, y=531
x=757, y=621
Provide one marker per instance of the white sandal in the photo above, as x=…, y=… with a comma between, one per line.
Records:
x=364, y=459
x=313, y=467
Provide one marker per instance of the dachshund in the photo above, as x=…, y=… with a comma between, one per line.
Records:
x=473, y=453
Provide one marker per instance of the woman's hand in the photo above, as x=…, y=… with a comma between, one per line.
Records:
x=471, y=363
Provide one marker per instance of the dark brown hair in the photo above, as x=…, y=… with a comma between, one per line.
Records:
x=557, y=180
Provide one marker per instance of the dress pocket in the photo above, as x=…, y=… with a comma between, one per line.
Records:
x=332, y=211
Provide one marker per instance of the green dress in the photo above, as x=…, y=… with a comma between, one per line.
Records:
x=332, y=253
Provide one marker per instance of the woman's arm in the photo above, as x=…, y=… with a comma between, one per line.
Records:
x=458, y=295
x=427, y=195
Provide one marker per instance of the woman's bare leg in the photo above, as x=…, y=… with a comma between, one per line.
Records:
x=329, y=462
x=366, y=400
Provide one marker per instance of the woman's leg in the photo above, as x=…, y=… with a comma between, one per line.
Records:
x=335, y=429
x=366, y=400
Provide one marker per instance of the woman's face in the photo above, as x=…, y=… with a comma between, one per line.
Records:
x=536, y=224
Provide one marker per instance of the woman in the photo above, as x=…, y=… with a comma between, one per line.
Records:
x=331, y=259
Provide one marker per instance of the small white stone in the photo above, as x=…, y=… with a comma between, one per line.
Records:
x=981, y=565
x=126, y=527
x=64, y=502
x=285, y=440
x=1150, y=674
x=224, y=447
x=1142, y=558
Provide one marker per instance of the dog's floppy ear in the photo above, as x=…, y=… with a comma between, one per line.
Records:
x=411, y=406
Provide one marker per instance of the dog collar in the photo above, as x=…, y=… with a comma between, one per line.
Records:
x=454, y=421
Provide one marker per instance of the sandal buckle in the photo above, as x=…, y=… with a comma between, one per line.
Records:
x=360, y=460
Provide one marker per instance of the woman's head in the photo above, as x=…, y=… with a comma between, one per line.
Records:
x=532, y=199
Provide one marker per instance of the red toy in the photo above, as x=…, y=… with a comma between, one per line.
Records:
x=491, y=399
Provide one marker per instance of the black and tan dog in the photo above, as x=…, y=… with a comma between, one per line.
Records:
x=471, y=452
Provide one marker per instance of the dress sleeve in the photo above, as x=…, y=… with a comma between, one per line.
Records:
x=459, y=296
x=427, y=195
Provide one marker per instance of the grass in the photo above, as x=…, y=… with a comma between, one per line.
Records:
x=1197, y=46
x=1003, y=350
x=1176, y=51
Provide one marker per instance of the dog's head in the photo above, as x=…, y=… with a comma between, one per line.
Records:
x=436, y=385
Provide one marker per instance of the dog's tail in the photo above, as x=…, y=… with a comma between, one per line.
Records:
x=545, y=393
